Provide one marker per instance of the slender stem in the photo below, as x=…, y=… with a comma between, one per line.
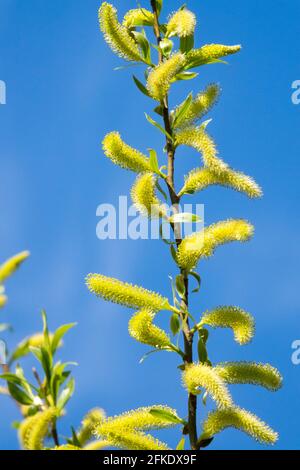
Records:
x=175, y=199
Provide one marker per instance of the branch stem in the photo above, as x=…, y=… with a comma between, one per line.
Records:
x=175, y=200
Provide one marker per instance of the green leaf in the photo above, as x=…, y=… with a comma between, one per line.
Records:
x=46, y=362
x=180, y=286
x=18, y=394
x=186, y=75
x=154, y=161
x=203, y=333
x=181, y=444
x=204, y=398
x=198, y=279
x=144, y=45
x=59, y=334
x=206, y=442
x=66, y=394
x=175, y=324
x=182, y=110
x=140, y=86
x=166, y=416
x=174, y=253
x=187, y=43
x=163, y=193
x=47, y=344
x=158, y=126
x=159, y=110
x=202, y=352
x=159, y=5
x=205, y=124
x=184, y=217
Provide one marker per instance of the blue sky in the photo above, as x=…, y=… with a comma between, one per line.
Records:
x=62, y=97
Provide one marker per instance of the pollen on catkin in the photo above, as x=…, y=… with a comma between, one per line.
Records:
x=197, y=138
x=203, y=243
x=140, y=419
x=123, y=155
x=34, y=430
x=116, y=35
x=209, y=53
x=144, y=198
x=241, y=322
x=250, y=373
x=200, y=105
x=97, y=445
x=126, y=294
x=182, y=24
x=138, y=17
x=240, y=419
x=197, y=376
x=66, y=447
x=142, y=329
x=89, y=422
x=135, y=441
x=11, y=265
x=200, y=178
x=160, y=78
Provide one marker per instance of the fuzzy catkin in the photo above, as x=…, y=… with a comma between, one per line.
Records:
x=202, y=244
x=136, y=420
x=200, y=105
x=33, y=430
x=142, y=329
x=125, y=294
x=197, y=376
x=240, y=419
x=201, y=178
x=138, y=17
x=209, y=53
x=182, y=24
x=123, y=155
x=144, y=197
x=241, y=322
x=92, y=418
x=253, y=373
x=11, y=265
x=116, y=35
x=197, y=138
x=160, y=78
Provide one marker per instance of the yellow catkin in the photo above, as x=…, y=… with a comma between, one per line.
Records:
x=116, y=35
x=197, y=138
x=135, y=441
x=202, y=244
x=160, y=78
x=123, y=155
x=138, y=17
x=92, y=418
x=142, y=329
x=97, y=445
x=126, y=294
x=201, y=178
x=209, y=53
x=126, y=431
x=200, y=105
x=182, y=24
x=144, y=197
x=240, y=419
x=66, y=447
x=11, y=265
x=33, y=430
x=197, y=376
x=250, y=373
x=241, y=322
x=136, y=420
